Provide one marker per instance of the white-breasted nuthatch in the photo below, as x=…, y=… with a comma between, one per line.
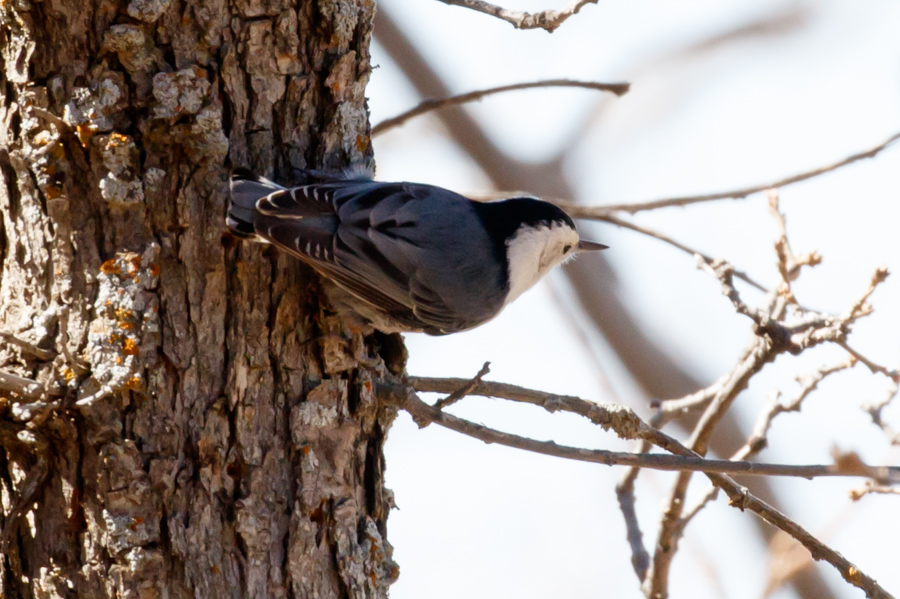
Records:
x=409, y=257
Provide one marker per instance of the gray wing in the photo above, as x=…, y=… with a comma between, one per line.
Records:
x=367, y=238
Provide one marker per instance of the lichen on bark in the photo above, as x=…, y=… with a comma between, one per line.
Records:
x=209, y=427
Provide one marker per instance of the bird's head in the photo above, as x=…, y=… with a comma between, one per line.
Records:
x=545, y=237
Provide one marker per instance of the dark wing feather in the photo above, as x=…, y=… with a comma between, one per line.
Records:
x=354, y=233
x=298, y=202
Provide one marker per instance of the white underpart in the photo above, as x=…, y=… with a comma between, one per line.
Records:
x=533, y=252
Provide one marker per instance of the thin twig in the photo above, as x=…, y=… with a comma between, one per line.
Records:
x=861, y=306
x=758, y=439
x=640, y=558
x=667, y=408
x=547, y=19
x=44, y=355
x=789, y=264
x=894, y=375
x=464, y=390
x=737, y=194
x=620, y=419
x=873, y=488
x=576, y=211
x=875, y=409
x=431, y=105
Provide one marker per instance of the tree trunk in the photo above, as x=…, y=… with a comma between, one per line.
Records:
x=203, y=426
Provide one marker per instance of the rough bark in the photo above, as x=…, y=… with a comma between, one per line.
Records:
x=208, y=427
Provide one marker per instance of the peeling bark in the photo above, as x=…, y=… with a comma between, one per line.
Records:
x=208, y=427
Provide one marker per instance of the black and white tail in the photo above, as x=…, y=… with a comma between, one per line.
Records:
x=246, y=190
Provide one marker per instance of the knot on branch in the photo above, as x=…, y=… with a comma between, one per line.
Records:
x=621, y=419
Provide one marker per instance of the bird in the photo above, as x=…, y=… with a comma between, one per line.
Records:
x=406, y=257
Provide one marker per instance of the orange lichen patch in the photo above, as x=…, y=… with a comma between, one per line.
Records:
x=305, y=449
x=119, y=360
x=130, y=348
x=110, y=267
x=362, y=142
x=125, y=325
x=116, y=140
x=68, y=374
x=52, y=192
x=85, y=133
x=368, y=385
x=154, y=270
x=134, y=383
x=123, y=314
x=135, y=263
x=853, y=574
x=215, y=568
x=115, y=338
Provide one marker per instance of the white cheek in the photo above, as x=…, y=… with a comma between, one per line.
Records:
x=532, y=254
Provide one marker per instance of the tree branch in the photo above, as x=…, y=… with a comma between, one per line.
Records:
x=547, y=19
x=595, y=212
x=430, y=105
x=576, y=211
x=406, y=398
x=640, y=558
x=618, y=418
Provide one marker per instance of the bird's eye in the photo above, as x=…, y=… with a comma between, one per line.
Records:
x=566, y=248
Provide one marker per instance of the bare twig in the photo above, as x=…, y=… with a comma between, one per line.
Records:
x=739, y=496
x=894, y=375
x=875, y=409
x=640, y=558
x=28, y=348
x=873, y=488
x=667, y=408
x=547, y=19
x=789, y=264
x=861, y=306
x=575, y=211
x=464, y=390
x=620, y=419
x=473, y=96
x=758, y=439
x=737, y=194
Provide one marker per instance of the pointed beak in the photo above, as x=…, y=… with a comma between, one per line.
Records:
x=589, y=246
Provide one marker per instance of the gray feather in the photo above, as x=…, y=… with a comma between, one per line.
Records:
x=404, y=249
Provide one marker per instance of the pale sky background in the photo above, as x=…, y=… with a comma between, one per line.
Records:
x=481, y=521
